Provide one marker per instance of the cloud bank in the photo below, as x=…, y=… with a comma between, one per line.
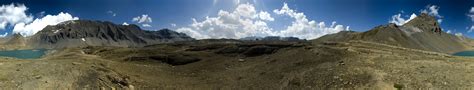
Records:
x=246, y=21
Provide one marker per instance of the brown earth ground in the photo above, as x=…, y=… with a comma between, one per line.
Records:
x=282, y=65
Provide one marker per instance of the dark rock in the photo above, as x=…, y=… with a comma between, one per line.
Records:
x=232, y=49
x=174, y=59
x=260, y=50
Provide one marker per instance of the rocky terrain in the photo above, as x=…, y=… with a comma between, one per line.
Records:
x=415, y=55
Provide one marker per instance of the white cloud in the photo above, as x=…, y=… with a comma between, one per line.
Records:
x=265, y=16
x=112, y=13
x=303, y=28
x=146, y=25
x=246, y=10
x=399, y=20
x=194, y=33
x=449, y=31
x=245, y=21
x=142, y=19
x=173, y=25
x=430, y=9
x=4, y=35
x=471, y=29
x=242, y=22
x=28, y=29
x=471, y=14
x=125, y=23
x=433, y=10
x=12, y=14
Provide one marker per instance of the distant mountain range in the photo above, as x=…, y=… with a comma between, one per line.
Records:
x=80, y=33
x=423, y=32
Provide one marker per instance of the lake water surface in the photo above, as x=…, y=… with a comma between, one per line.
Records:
x=465, y=53
x=24, y=54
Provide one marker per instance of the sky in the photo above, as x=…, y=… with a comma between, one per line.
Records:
x=201, y=19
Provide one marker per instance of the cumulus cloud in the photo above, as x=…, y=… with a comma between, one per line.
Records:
x=12, y=14
x=399, y=20
x=304, y=28
x=4, y=35
x=433, y=10
x=265, y=16
x=142, y=19
x=173, y=25
x=28, y=29
x=241, y=22
x=449, y=31
x=245, y=21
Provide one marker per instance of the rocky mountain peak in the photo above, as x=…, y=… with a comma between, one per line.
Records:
x=425, y=22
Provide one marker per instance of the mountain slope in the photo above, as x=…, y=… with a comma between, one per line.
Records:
x=422, y=33
x=79, y=33
x=15, y=41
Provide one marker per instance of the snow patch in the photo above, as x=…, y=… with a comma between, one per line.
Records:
x=67, y=22
x=56, y=31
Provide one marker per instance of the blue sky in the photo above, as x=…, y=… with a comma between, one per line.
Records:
x=360, y=15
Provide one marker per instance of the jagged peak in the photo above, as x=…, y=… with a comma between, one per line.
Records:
x=425, y=22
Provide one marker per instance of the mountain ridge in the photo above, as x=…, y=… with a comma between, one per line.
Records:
x=80, y=33
x=423, y=32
